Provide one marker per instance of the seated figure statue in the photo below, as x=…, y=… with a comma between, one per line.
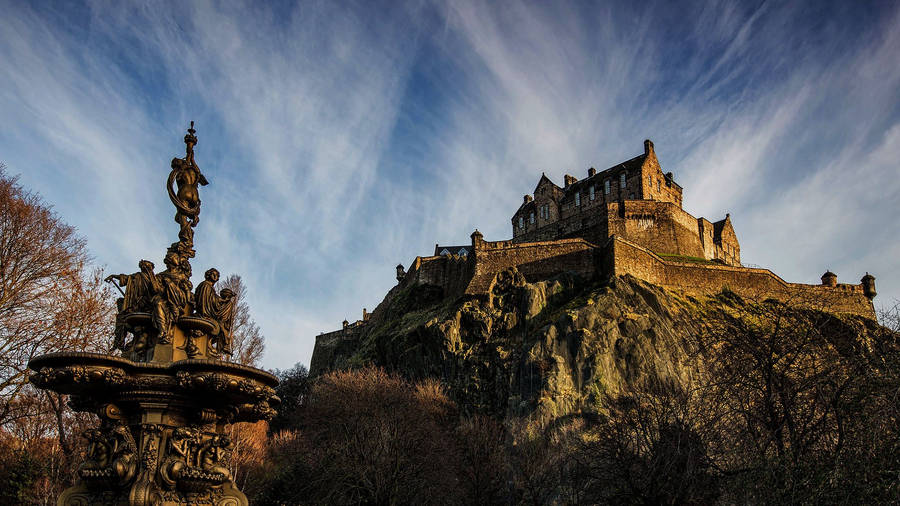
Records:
x=216, y=307
x=137, y=297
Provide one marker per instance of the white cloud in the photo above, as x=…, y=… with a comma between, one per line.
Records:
x=342, y=139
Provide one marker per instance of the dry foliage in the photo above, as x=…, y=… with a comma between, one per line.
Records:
x=50, y=300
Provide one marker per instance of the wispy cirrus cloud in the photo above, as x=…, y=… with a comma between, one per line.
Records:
x=342, y=139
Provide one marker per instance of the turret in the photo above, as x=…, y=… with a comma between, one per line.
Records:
x=400, y=272
x=477, y=239
x=592, y=172
x=829, y=279
x=868, y=284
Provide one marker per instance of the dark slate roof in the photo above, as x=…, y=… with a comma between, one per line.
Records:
x=629, y=165
x=717, y=229
x=524, y=205
x=452, y=250
x=542, y=179
x=612, y=172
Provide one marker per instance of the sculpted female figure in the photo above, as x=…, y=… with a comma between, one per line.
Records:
x=187, y=176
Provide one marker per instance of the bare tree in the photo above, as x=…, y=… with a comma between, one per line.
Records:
x=248, y=342
x=368, y=437
x=50, y=300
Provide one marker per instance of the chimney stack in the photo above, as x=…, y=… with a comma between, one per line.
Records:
x=648, y=146
x=592, y=172
x=569, y=180
x=527, y=198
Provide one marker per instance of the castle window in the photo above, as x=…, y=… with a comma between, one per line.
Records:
x=622, y=180
x=578, y=199
x=631, y=196
x=658, y=185
x=521, y=222
x=650, y=181
x=531, y=218
x=606, y=187
x=592, y=192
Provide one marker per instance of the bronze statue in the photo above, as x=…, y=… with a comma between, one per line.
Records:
x=137, y=287
x=171, y=294
x=218, y=308
x=137, y=297
x=186, y=174
x=110, y=457
x=226, y=321
x=212, y=455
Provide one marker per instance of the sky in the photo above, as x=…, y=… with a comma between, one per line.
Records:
x=342, y=138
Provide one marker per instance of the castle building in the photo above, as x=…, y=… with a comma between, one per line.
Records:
x=625, y=220
x=633, y=200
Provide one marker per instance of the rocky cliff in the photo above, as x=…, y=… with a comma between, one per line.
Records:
x=565, y=345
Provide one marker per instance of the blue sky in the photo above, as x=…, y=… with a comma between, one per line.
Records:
x=343, y=138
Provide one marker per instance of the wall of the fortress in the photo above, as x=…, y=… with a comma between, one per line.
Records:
x=450, y=272
x=625, y=257
x=331, y=345
x=662, y=227
x=535, y=260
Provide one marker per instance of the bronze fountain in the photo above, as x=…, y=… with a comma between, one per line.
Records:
x=165, y=403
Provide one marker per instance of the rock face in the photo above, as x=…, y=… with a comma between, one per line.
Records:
x=545, y=349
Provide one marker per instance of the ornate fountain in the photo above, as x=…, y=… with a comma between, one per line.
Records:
x=165, y=403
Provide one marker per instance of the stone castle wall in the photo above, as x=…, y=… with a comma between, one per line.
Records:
x=625, y=257
x=540, y=260
x=535, y=260
x=472, y=275
x=660, y=226
x=450, y=272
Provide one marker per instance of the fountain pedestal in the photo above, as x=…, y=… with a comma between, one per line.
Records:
x=162, y=437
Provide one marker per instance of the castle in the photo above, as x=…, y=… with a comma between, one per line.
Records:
x=625, y=220
x=633, y=200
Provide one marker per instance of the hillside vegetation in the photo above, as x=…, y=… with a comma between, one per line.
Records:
x=562, y=346
x=573, y=392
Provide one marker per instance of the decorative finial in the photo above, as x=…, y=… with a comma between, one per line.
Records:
x=190, y=140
